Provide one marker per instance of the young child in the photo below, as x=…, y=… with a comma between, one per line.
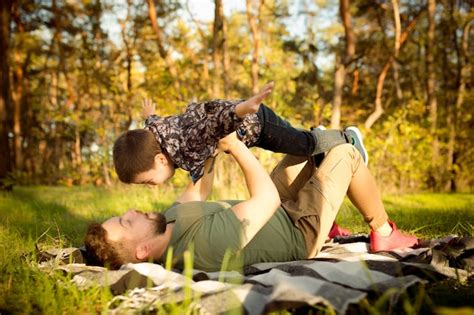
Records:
x=150, y=155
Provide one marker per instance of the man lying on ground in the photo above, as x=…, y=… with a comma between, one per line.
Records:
x=288, y=215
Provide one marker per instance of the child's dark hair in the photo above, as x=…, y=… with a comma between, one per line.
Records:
x=134, y=153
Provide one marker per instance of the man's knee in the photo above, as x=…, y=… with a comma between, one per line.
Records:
x=346, y=151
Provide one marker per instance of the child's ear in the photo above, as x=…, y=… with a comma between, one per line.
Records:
x=143, y=251
x=160, y=158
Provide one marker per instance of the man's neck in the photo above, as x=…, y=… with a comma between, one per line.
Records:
x=163, y=240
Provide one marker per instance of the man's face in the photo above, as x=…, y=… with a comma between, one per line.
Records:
x=135, y=227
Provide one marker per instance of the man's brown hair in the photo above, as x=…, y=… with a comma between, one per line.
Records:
x=100, y=251
x=134, y=153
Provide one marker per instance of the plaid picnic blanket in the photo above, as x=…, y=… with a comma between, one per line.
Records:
x=343, y=273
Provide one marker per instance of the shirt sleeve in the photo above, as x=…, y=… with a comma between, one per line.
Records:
x=151, y=119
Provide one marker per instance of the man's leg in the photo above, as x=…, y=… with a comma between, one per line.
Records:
x=316, y=197
x=319, y=199
x=290, y=175
x=364, y=194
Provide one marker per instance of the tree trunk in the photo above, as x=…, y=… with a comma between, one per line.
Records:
x=17, y=97
x=5, y=156
x=205, y=72
x=17, y=90
x=355, y=82
x=431, y=92
x=339, y=78
x=225, y=58
x=254, y=22
x=205, y=67
x=72, y=102
x=378, y=111
x=30, y=141
x=161, y=48
x=465, y=69
x=396, y=18
x=129, y=44
x=378, y=97
x=216, y=47
x=340, y=73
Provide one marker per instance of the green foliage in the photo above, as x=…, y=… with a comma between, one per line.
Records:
x=400, y=149
x=86, y=66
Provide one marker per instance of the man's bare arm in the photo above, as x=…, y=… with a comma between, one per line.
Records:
x=264, y=199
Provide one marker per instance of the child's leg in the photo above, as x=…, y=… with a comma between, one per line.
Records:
x=279, y=136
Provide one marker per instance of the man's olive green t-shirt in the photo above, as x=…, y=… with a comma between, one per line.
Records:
x=214, y=231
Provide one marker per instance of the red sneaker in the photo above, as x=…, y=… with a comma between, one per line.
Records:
x=336, y=230
x=395, y=240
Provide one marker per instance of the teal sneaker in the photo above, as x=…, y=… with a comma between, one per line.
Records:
x=355, y=138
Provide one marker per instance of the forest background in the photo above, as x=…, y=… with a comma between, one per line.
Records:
x=73, y=74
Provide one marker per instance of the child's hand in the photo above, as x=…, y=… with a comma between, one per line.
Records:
x=252, y=105
x=148, y=108
x=265, y=91
x=257, y=99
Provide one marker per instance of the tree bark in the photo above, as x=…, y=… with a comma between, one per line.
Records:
x=161, y=48
x=205, y=67
x=17, y=97
x=465, y=69
x=355, y=82
x=340, y=73
x=378, y=111
x=225, y=57
x=17, y=89
x=254, y=22
x=431, y=91
x=398, y=27
x=129, y=64
x=5, y=100
x=378, y=97
x=339, y=78
x=216, y=47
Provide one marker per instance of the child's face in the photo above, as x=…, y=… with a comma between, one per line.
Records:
x=161, y=172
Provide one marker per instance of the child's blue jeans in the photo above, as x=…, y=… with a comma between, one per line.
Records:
x=279, y=136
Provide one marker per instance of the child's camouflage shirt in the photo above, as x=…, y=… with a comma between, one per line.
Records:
x=191, y=138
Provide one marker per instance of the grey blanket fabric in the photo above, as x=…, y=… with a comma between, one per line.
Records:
x=343, y=273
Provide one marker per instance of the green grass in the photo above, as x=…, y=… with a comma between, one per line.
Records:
x=58, y=216
x=426, y=215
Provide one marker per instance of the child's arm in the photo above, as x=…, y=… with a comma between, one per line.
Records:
x=200, y=190
x=251, y=105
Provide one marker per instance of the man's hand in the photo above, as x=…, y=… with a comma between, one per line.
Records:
x=252, y=105
x=148, y=108
x=225, y=144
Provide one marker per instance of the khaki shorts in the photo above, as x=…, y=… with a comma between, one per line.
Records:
x=313, y=195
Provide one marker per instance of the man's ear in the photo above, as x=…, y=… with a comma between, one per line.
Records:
x=160, y=159
x=143, y=251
